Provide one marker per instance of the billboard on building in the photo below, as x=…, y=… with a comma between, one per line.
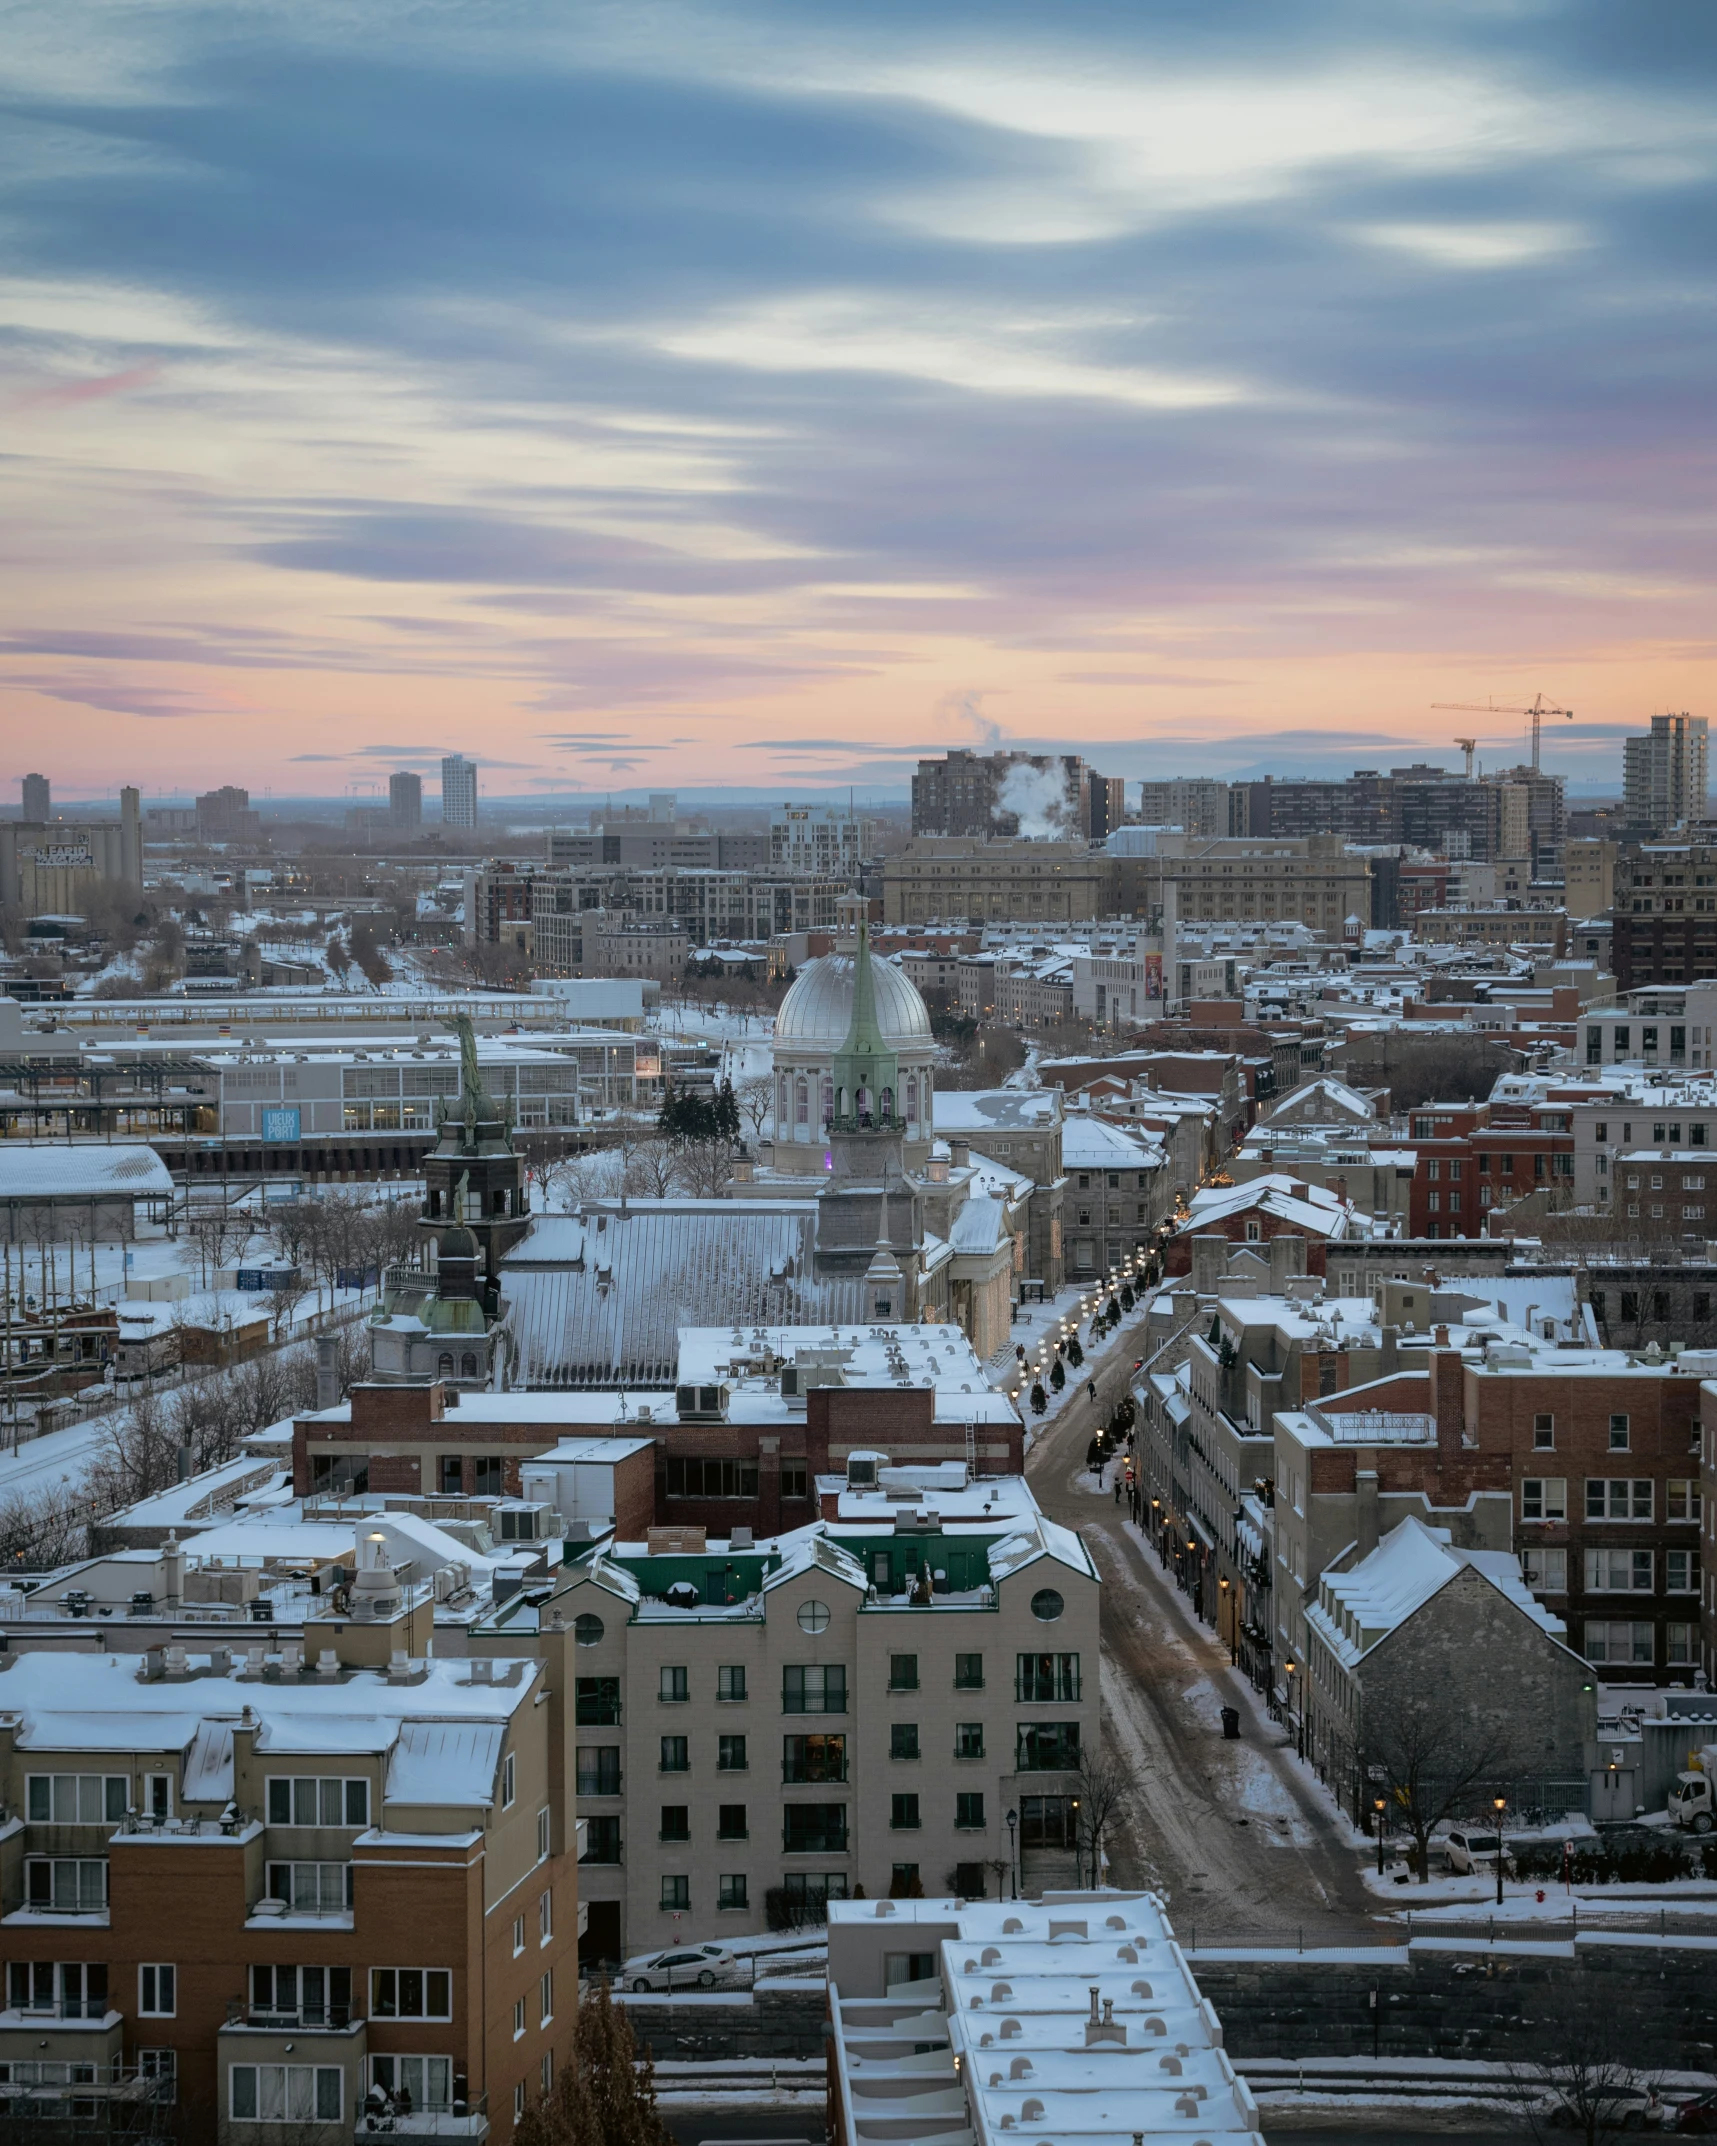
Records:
x=281, y=1124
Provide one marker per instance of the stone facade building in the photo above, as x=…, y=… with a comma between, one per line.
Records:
x=1438, y=1662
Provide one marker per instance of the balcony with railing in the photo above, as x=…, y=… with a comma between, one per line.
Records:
x=380, y=2115
x=295, y=2019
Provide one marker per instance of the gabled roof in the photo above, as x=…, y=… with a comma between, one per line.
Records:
x=1325, y=1094
x=1288, y=1199
x=1357, y=1609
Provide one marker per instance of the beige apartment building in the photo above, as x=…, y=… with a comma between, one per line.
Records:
x=1311, y=879
x=862, y=1702
x=939, y=877
x=1589, y=877
x=1307, y=879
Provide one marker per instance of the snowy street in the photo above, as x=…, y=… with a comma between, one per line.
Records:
x=1233, y=1834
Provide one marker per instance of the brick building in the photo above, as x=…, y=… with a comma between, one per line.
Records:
x=271, y=1888
x=1597, y=1451
x=723, y=1447
x=1473, y=1157
x=1664, y=923
x=1256, y=1212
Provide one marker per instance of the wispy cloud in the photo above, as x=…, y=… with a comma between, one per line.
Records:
x=1145, y=382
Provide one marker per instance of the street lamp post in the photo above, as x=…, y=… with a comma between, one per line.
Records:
x=1378, y=1805
x=1501, y=1803
x=1013, y=1850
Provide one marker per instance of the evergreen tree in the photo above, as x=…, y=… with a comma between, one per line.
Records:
x=1057, y=1376
x=727, y=1113
x=1039, y=1399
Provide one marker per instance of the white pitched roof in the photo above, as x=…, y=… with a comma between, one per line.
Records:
x=1413, y=1562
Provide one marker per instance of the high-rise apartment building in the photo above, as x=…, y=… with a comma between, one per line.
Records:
x=1664, y=776
x=1039, y=795
x=818, y=839
x=36, y=804
x=225, y=815
x=1515, y=813
x=1105, y=805
x=1197, y=803
x=458, y=791
x=405, y=802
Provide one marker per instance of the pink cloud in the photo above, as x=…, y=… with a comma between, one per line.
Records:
x=69, y=393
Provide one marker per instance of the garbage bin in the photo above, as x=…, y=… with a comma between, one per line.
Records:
x=1231, y=1723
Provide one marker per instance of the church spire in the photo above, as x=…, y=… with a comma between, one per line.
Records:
x=866, y=1070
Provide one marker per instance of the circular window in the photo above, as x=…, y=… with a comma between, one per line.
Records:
x=1047, y=1605
x=587, y=1630
x=813, y=1616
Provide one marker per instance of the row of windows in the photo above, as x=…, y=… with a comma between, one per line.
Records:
x=821, y=1828
x=1610, y=1497
x=1632, y=1301
x=732, y=1821
x=1634, y=1643
x=311, y=1996
x=814, y=1688
x=803, y=1758
x=1611, y=1571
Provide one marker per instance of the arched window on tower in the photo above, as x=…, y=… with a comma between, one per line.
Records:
x=468, y=1364
x=801, y=1110
x=444, y=1364
x=912, y=1098
x=887, y=1104
x=828, y=1100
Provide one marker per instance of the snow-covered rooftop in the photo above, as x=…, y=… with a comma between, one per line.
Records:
x=1413, y=1562
x=1072, y=2018
x=82, y=1171
x=450, y=1721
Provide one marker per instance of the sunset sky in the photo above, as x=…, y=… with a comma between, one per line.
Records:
x=650, y=396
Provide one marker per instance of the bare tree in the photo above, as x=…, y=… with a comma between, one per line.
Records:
x=1432, y=1757
x=1102, y=1787
x=284, y=1298
x=43, y=1529
x=650, y=1168
x=1585, y=2077
x=703, y=1168
x=215, y=1231
x=289, y=1228
x=755, y=1095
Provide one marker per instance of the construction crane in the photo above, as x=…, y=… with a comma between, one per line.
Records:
x=1538, y=711
x=1469, y=746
